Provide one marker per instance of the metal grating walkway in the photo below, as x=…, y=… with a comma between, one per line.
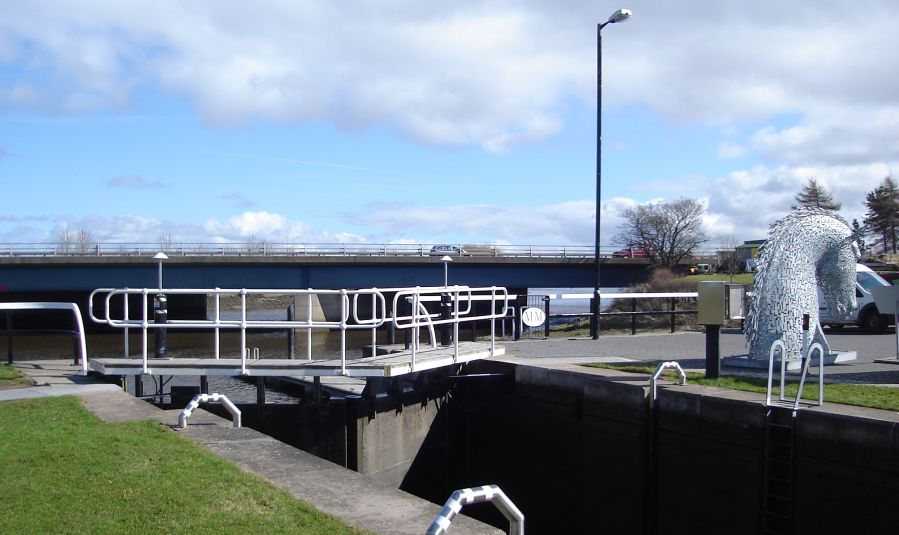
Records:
x=389, y=365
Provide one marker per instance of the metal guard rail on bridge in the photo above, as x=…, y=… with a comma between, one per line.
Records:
x=307, y=249
x=350, y=319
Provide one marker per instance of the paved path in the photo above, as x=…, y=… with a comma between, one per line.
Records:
x=688, y=348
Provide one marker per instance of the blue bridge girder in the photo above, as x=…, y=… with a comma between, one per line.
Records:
x=85, y=274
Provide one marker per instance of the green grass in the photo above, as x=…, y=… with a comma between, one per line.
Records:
x=11, y=376
x=739, y=278
x=65, y=471
x=876, y=397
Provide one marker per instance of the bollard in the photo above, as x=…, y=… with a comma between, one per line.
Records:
x=546, y=313
x=9, y=337
x=712, y=351
x=446, y=314
x=161, y=316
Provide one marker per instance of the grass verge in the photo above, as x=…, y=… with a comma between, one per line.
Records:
x=875, y=397
x=11, y=376
x=65, y=471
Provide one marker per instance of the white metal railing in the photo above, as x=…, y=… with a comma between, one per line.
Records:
x=805, y=357
x=654, y=378
x=487, y=493
x=76, y=313
x=41, y=249
x=353, y=315
x=209, y=398
x=624, y=295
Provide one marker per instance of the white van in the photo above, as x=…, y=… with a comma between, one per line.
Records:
x=866, y=315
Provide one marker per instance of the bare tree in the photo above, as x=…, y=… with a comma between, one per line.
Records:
x=84, y=241
x=166, y=242
x=728, y=260
x=79, y=241
x=254, y=245
x=669, y=232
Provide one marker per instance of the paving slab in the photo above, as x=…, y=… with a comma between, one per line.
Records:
x=688, y=349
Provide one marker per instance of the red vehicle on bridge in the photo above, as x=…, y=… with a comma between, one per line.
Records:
x=633, y=250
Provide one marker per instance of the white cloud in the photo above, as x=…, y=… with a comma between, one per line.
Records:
x=811, y=94
x=494, y=74
x=133, y=182
x=729, y=149
x=256, y=225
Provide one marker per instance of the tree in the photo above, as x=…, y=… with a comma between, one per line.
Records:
x=882, y=217
x=728, y=258
x=79, y=241
x=859, y=234
x=166, y=242
x=669, y=232
x=814, y=194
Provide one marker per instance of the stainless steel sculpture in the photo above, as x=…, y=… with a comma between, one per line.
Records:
x=805, y=249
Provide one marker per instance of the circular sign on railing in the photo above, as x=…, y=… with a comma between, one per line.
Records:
x=533, y=317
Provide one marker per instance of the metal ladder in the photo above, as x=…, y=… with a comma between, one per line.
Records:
x=778, y=471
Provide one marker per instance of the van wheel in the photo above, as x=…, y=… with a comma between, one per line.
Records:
x=873, y=322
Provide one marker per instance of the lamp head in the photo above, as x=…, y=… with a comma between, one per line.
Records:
x=160, y=256
x=620, y=16
x=446, y=258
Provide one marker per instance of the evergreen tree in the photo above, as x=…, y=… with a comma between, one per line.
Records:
x=814, y=194
x=882, y=217
x=859, y=234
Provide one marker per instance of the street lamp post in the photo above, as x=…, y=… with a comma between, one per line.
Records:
x=160, y=257
x=619, y=16
x=446, y=304
x=161, y=313
x=446, y=260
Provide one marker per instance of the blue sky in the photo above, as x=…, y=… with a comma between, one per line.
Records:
x=402, y=121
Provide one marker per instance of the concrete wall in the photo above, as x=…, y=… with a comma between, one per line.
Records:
x=579, y=451
x=388, y=443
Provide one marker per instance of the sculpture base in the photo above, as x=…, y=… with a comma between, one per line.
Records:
x=743, y=361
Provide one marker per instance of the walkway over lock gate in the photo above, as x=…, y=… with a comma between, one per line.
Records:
x=365, y=309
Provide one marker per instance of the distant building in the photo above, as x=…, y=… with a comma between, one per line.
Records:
x=749, y=249
x=741, y=258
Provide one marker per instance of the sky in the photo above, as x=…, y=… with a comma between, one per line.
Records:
x=401, y=121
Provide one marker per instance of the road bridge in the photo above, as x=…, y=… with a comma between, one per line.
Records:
x=72, y=278
x=82, y=274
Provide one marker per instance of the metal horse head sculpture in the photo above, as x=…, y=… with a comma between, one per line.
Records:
x=808, y=248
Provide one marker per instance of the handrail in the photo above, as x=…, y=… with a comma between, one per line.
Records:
x=655, y=377
x=775, y=346
x=779, y=345
x=76, y=312
x=92, y=249
x=209, y=398
x=351, y=316
x=486, y=493
x=806, y=360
